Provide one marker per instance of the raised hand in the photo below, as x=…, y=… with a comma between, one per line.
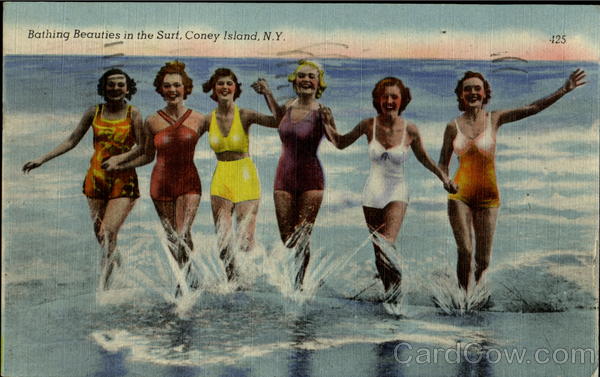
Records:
x=261, y=86
x=575, y=80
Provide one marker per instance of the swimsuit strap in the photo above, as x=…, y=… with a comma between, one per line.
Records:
x=374, y=126
x=173, y=122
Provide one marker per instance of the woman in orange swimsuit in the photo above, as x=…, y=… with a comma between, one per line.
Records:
x=235, y=187
x=474, y=208
x=172, y=134
x=117, y=126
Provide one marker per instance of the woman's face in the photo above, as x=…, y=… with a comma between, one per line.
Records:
x=390, y=100
x=116, y=88
x=224, y=88
x=307, y=80
x=473, y=92
x=172, y=88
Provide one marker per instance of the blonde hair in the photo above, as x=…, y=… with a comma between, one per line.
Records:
x=322, y=85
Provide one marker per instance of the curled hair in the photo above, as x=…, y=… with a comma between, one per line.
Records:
x=459, y=85
x=391, y=81
x=174, y=67
x=115, y=71
x=322, y=85
x=212, y=82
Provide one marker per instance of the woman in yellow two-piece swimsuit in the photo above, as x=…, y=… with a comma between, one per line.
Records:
x=117, y=128
x=473, y=210
x=235, y=186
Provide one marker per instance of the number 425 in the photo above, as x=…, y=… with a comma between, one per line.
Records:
x=561, y=39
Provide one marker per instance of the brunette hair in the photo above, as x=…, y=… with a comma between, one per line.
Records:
x=222, y=72
x=391, y=81
x=115, y=71
x=174, y=67
x=459, y=85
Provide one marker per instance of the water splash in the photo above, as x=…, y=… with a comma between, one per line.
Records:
x=393, y=297
x=283, y=263
x=454, y=300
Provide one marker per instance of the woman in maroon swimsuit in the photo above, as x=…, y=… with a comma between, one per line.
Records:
x=172, y=134
x=299, y=181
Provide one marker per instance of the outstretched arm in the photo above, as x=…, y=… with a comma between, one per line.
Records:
x=340, y=141
x=72, y=140
x=261, y=86
x=250, y=117
x=421, y=154
x=505, y=116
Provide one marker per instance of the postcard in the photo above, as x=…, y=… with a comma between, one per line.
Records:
x=321, y=189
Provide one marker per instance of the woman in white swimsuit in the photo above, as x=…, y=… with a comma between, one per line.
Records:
x=385, y=196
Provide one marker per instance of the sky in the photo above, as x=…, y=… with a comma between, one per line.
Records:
x=436, y=31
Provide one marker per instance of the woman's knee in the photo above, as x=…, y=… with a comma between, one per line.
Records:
x=482, y=262
x=464, y=253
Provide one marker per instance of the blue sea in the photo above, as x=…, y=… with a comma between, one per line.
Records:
x=543, y=274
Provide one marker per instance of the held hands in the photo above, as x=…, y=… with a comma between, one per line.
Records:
x=575, y=80
x=450, y=186
x=31, y=165
x=261, y=86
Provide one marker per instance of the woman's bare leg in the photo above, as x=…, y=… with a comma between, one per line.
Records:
x=97, y=209
x=461, y=221
x=308, y=205
x=222, y=210
x=115, y=213
x=387, y=222
x=186, y=207
x=285, y=210
x=245, y=213
x=484, y=224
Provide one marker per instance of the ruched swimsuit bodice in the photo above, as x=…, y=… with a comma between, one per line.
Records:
x=174, y=173
x=386, y=182
x=476, y=174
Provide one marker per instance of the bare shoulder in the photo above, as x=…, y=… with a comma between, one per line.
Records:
x=412, y=129
x=90, y=111
x=451, y=127
x=247, y=113
x=135, y=112
x=496, y=114
x=366, y=124
x=152, y=121
x=366, y=127
x=196, y=116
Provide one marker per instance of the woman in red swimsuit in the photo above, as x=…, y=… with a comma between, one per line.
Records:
x=117, y=126
x=474, y=208
x=172, y=134
x=299, y=180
